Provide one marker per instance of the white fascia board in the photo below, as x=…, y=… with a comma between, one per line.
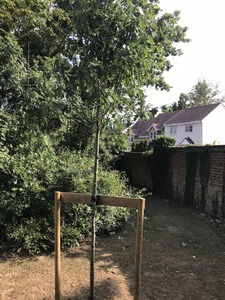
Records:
x=183, y=123
x=152, y=126
x=134, y=123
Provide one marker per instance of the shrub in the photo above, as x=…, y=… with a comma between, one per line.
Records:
x=142, y=146
x=162, y=142
x=31, y=176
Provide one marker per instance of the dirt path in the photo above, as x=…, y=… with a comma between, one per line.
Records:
x=184, y=255
x=183, y=258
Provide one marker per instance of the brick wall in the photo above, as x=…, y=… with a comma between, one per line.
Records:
x=196, y=176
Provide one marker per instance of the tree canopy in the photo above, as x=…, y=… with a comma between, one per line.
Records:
x=57, y=55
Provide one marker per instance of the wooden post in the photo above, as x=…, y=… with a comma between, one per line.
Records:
x=94, y=198
x=136, y=203
x=138, y=255
x=57, y=247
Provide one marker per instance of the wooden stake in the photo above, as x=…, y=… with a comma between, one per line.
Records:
x=80, y=198
x=138, y=255
x=92, y=253
x=137, y=203
x=94, y=199
x=57, y=247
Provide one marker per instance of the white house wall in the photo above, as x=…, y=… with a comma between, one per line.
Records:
x=213, y=127
x=195, y=135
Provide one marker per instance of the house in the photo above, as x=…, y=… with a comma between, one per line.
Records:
x=197, y=125
x=148, y=130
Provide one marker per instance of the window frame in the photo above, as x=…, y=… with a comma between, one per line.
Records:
x=188, y=128
x=152, y=135
x=173, y=130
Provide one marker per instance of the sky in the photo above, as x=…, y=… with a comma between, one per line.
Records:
x=203, y=56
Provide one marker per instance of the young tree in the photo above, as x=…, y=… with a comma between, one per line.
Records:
x=84, y=55
x=115, y=49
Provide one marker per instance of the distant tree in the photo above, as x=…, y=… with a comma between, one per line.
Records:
x=154, y=111
x=145, y=112
x=166, y=108
x=181, y=103
x=202, y=93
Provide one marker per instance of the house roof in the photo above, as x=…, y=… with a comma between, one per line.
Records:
x=188, y=140
x=162, y=118
x=141, y=128
x=192, y=114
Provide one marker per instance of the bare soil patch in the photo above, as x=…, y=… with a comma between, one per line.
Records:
x=183, y=258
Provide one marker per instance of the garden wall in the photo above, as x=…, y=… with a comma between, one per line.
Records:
x=192, y=175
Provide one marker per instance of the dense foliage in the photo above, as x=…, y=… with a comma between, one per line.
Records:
x=162, y=142
x=141, y=146
x=59, y=61
x=157, y=144
x=29, y=179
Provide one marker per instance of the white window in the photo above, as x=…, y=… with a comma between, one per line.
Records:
x=153, y=135
x=173, y=130
x=188, y=128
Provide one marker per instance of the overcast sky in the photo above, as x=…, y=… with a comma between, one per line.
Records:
x=203, y=56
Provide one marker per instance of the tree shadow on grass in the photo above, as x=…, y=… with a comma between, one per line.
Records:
x=104, y=290
x=114, y=265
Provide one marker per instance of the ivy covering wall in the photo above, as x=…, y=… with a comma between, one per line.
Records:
x=194, y=175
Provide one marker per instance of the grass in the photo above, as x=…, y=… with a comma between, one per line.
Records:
x=183, y=258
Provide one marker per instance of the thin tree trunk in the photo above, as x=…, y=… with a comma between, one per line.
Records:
x=94, y=199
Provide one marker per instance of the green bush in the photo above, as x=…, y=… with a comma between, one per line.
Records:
x=142, y=146
x=31, y=176
x=161, y=164
x=162, y=142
